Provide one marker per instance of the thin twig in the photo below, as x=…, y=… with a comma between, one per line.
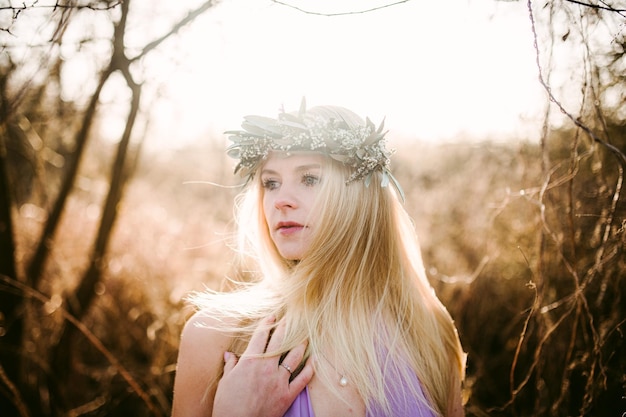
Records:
x=17, y=398
x=616, y=151
x=191, y=16
x=62, y=6
x=384, y=6
x=597, y=6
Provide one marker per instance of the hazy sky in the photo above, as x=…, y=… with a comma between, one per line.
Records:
x=434, y=69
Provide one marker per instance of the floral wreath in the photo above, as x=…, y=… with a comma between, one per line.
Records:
x=362, y=147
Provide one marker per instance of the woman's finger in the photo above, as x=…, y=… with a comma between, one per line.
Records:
x=293, y=358
x=303, y=378
x=286, y=367
x=230, y=360
x=258, y=341
x=277, y=337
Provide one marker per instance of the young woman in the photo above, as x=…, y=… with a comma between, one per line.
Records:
x=332, y=313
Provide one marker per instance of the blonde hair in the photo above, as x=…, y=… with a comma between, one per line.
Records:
x=360, y=288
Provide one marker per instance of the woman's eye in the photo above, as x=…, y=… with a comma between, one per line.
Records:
x=310, y=180
x=270, y=184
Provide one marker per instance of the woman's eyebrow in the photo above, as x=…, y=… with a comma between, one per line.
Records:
x=265, y=171
x=308, y=167
x=299, y=168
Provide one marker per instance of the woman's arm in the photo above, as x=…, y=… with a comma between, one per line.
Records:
x=200, y=361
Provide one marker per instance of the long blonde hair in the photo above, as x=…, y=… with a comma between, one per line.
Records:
x=359, y=290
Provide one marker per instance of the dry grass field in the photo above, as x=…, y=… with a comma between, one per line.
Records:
x=500, y=245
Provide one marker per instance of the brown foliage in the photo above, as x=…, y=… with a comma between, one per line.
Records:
x=538, y=343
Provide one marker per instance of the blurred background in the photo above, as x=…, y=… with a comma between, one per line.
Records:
x=116, y=197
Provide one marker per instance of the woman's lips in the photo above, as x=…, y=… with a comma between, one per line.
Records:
x=289, y=228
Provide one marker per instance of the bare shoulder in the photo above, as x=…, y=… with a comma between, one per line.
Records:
x=202, y=327
x=201, y=339
x=200, y=362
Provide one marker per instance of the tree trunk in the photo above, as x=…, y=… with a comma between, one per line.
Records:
x=11, y=302
x=80, y=300
x=11, y=298
x=36, y=266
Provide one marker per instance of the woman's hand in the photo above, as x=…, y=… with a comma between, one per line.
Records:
x=259, y=386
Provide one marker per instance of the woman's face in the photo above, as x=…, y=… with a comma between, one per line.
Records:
x=290, y=185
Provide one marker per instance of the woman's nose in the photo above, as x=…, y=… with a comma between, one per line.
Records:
x=285, y=198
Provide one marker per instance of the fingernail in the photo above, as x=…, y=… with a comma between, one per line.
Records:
x=227, y=356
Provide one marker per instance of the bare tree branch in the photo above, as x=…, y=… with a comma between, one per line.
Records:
x=616, y=151
x=178, y=26
x=341, y=13
x=91, y=6
x=597, y=6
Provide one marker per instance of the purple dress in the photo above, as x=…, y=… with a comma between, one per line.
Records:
x=401, y=403
x=301, y=407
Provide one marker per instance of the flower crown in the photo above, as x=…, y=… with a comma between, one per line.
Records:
x=362, y=147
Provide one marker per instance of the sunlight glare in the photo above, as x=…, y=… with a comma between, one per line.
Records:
x=434, y=72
